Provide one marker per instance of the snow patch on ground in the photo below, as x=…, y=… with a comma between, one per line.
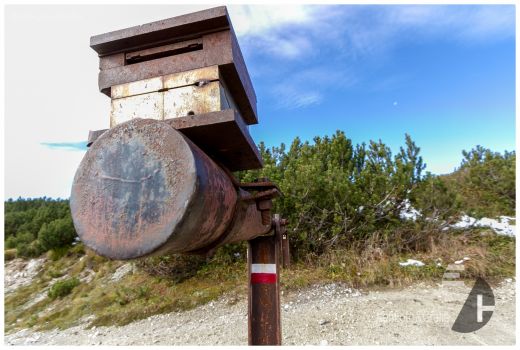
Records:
x=461, y=261
x=501, y=226
x=412, y=262
x=409, y=212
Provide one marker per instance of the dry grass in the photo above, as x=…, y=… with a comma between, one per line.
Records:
x=375, y=262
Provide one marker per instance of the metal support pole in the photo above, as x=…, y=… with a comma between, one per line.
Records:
x=281, y=232
x=264, y=326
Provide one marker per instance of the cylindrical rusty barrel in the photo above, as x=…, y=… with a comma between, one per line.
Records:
x=145, y=189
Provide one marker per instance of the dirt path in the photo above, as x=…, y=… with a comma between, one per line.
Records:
x=326, y=315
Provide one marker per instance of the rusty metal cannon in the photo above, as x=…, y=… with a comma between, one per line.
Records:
x=160, y=180
x=143, y=188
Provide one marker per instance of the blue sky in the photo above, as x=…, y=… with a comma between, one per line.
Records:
x=443, y=74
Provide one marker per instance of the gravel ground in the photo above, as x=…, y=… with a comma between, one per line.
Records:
x=323, y=315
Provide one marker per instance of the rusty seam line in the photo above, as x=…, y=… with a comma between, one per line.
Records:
x=166, y=89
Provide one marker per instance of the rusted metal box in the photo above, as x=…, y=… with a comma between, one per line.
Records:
x=188, y=71
x=179, y=44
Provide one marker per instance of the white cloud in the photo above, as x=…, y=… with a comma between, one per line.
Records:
x=284, y=31
x=259, y=19
x=490, y=22
x=285, y=46
x=463, y=23
x=291, y=97
x=318, y=46
x=308, y=87
x=290, y=31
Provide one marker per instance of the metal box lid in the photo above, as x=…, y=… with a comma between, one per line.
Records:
x=173, y=45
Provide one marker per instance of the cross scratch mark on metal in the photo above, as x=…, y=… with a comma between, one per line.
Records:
x=127, y=180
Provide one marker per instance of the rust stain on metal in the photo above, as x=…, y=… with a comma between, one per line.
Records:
x=142, y=188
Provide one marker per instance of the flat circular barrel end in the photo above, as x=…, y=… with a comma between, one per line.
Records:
x=133, y=188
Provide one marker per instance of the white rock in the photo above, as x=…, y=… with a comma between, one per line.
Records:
x=121, y=272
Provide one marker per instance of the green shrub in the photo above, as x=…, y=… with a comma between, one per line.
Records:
x=21, y=238
x=63, y=288
x=335, y=192
x=57, y=233
x=487, y=182
x=57, y=253
x=30, y=250
x=25, y=244
x=434, y=198
x=78, y=249
x=55, y=273
x=10, y=242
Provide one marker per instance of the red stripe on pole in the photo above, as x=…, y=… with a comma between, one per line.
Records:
x=263, y=278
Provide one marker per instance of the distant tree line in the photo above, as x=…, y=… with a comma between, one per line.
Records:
x=334, y=193
x=34, y=226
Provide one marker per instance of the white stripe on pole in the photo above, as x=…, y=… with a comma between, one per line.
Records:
x=263, y=268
